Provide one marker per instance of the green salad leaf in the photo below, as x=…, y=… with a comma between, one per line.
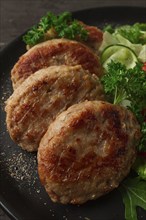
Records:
x=140, y=167
x=135, y=33
x=133, y=192
x=132, y=36
x=109, y=28
x=127, y=87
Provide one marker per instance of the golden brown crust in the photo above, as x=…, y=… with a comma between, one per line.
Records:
x=54, y=52
x=42, y=96
x=95, y=37
x=87, y=151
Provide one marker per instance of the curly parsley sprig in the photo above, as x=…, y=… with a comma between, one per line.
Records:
x=61, y=26
x=128, y=87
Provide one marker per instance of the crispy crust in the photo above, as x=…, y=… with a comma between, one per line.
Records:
x=95, y=37
x=87, y=151
x=54, y=52
x=42, y=96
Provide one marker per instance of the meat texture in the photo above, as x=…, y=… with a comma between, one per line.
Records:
x=54, y=52
x=87, y=151
x=95, y=37
x=43, y=95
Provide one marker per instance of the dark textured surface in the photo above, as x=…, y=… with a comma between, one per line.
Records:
x=16, y=16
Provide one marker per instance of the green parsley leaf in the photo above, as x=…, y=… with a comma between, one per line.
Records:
x=63, y=25
x=123, y=85
x=73, y=30
x=133, y=191
x=114, y=82
x=142, y=144
x=33, y=36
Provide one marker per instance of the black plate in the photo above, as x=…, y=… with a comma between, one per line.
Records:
x=22, y=196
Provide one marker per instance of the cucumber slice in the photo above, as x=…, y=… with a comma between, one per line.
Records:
x=119, y=53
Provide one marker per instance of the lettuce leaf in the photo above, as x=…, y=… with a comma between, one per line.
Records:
x=111, y=39
x=133, y=192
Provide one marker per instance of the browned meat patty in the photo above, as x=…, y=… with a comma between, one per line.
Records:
x=95, y=37
x=54, y=52
x=43, y=95
x=87, y=151
x=94, y=40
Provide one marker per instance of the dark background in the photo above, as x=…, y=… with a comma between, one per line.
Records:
x=16, y=16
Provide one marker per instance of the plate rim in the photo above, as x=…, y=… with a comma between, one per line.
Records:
x=3, y=203
x=2, y=50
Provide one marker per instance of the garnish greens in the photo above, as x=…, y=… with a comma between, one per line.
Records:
x=122, y=84
x=131, y=36
x=127, y=87
x=140, y=167
x=59, y=26
x=134, y=194
x=135, y=33
x=142, y=145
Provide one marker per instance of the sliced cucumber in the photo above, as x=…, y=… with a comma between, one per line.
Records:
x=119, y=53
